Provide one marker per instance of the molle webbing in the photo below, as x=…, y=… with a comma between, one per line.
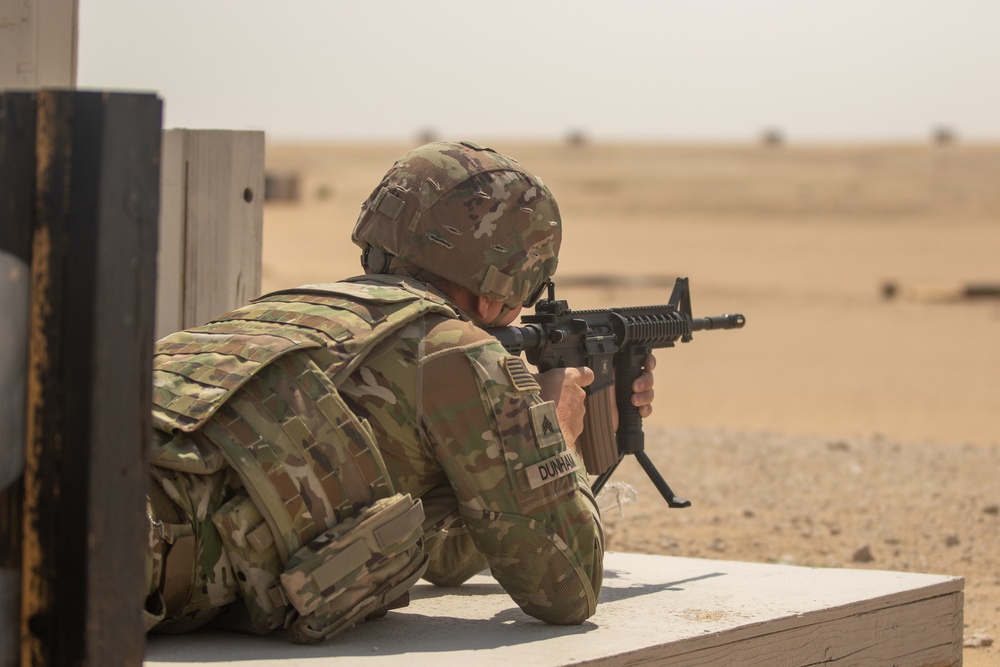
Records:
x=306, y=460
x=195, y=371
x=355, y=569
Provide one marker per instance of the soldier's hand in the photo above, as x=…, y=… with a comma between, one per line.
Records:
x=642, y=388
x=642, y=392
x=564, y=386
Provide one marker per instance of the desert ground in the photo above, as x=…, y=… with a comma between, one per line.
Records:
x=839, y=428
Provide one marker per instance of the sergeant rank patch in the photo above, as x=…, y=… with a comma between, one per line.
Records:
x=545, y=424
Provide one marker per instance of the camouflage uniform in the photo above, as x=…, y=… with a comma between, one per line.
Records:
x=268, y=420
x=459, y=419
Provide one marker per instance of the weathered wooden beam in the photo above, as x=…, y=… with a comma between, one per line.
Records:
x=17, y=194
x=38, y=43
x=211, y=222
x=89, y=377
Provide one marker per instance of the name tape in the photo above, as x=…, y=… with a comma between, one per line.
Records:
x=551, y=469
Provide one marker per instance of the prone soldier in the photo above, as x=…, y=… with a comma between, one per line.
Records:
x=321, y=449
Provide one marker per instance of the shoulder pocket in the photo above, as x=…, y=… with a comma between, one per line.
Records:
x=540, y=466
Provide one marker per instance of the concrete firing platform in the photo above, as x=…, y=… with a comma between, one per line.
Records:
x=654, y=610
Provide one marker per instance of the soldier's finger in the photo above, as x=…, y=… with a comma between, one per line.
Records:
x=583, y=376
x=641, y=398
x=642, y=383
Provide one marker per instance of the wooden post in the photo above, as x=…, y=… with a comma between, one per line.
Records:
x=38, y=43
x=211, y=221
x=38, y=47
x=17, y=194
x=89, y=377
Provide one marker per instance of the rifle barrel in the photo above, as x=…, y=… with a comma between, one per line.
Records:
x=732, y=321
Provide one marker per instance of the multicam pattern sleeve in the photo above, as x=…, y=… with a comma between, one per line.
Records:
x=460, y=424
x=522, y=493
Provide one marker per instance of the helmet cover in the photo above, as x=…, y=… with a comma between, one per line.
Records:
x=466, y=214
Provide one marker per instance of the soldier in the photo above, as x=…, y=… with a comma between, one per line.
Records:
x=321, y=449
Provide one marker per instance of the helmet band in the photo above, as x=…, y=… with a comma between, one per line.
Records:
x=496, y=282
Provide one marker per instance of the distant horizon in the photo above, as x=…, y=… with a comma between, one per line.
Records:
x=788, y=142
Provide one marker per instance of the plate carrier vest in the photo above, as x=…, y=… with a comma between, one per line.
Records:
x=320, y=539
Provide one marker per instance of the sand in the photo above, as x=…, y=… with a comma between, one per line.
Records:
x=839, y=428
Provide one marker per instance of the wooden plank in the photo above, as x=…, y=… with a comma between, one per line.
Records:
x=38, y=43
x=855, y=639
x=170, y=248
x=211, y=225
x=17, y=174
x=654, y=610
x=89, y=380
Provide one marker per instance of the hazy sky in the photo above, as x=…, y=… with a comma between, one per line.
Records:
x=670, y=69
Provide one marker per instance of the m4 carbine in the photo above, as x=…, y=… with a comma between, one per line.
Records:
x=614, y=343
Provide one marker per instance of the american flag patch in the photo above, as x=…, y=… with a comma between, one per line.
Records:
x=519, y=376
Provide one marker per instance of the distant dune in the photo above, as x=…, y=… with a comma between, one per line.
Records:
x=800, y=239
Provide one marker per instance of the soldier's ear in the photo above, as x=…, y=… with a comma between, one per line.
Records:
x=493, y=313
x=485, y=310
x=484, y=307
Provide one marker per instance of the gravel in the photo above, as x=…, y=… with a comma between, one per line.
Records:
x=866, y=502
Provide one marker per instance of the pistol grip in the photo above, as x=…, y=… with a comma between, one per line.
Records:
x=597, y=442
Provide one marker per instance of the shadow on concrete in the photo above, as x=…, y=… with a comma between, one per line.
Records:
x=465, y=590
x=395, y=634
x=611, y=593
x=401, y=633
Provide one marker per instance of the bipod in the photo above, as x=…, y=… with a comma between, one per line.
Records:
x=654, y=475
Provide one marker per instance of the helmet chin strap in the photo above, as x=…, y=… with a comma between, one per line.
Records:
x=377, y=260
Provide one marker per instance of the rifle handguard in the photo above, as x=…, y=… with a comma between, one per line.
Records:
x=597, y=442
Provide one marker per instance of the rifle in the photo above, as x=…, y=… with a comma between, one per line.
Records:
x=614, y=343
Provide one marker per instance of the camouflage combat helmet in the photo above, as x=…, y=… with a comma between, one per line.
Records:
x=466, y=214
